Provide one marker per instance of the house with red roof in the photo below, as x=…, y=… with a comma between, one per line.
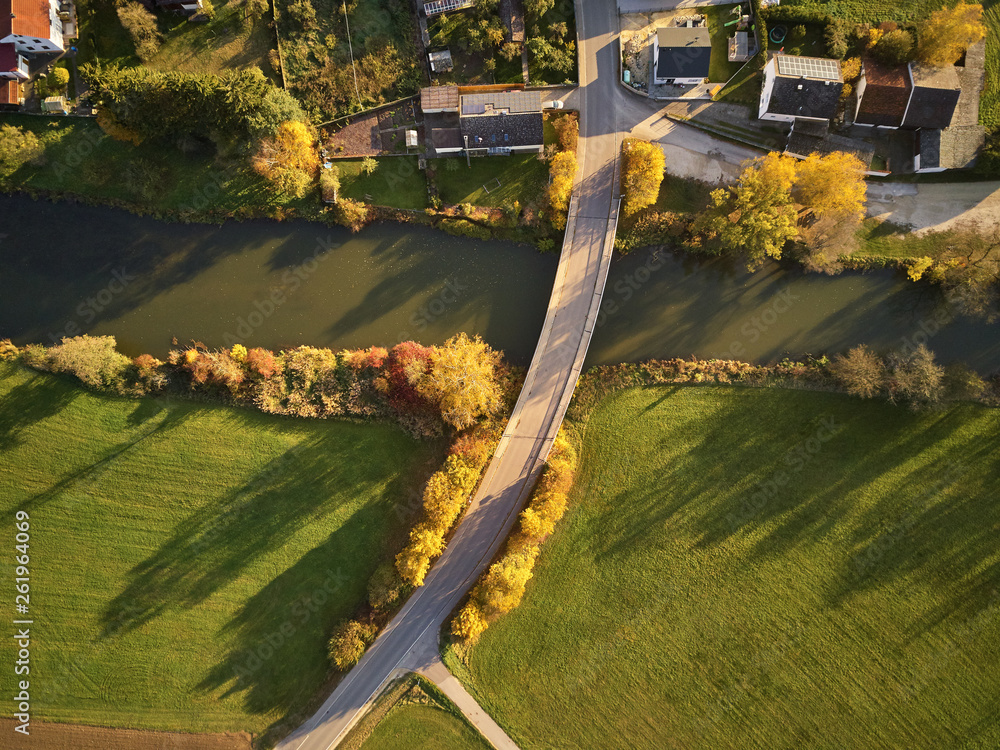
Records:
x=29, y=28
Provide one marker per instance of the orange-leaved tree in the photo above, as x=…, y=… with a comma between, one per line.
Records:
x=288, y=158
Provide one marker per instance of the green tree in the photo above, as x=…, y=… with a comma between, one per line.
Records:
x=945, y=35
x=142, y=28
x=756, y=215
x=462, y=380
x=369, y=165
x=894, y=48
x=642, y=170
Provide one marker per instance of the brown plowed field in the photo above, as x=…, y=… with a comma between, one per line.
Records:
x=77, y=737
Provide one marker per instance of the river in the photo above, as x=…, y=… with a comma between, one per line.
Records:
x=70, y=269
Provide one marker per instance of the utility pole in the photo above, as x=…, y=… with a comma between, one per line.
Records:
x=351, y=48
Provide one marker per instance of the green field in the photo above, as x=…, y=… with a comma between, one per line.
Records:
x=187, y=562
x=762, y=568
x=396, y=182
x=414, y=714
x=522, y=179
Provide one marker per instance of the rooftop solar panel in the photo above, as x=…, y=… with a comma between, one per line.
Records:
x=808, y=67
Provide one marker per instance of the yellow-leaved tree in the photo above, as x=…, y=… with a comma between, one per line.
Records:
x=562, y=170
x=833, y=186
x=462, y=380
x=642, y=172
x=756, y=215
x=288, y=158
x=503, y=585
x=945, y=35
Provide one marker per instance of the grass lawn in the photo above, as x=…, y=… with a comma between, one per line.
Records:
x=80, y=159
x=188, y=561
x=522, y=178
x=889, y=240
x=230, y=41
x=720, y=70
x=745, y=86
x=415, y=715
x=762, y=568
x=681, y=195
x=397, y=182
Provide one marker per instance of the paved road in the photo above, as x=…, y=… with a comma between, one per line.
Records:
x=539, y=411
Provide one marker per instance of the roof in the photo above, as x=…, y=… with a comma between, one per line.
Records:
x=503, y=130
x=26, y=18
x=887, y=91
x=972, y=79
x=445, y=138
x=935, y=95
x=933, y=77
x=954, y=148
x=510, y=102
x=440, y=60
x=803, y=144
x=810, y=68
x=684, y=52
x=804, y=97
x=439, y=97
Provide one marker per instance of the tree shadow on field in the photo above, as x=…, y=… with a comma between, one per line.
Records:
x=213, y=545
x=30, y=402
x=765, y=474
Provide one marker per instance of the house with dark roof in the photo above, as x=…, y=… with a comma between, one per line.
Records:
x=909, y=96
x=502, y=122
x=800, y=88
x=681, y=55
x=883, y=94
x=933, y=96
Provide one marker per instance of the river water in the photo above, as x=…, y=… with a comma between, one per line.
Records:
x=69, y=269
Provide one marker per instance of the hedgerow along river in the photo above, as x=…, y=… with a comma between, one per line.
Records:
x=69, y=269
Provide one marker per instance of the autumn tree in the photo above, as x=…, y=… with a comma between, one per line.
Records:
x=860, y=371
x=833, y=186
x=945, y=35
x=502, y=588
x=348, y=643
x=470, y=622
x=567, y=130
x=754, y=216
x=562, y=170
x=894, y=48
x=917, y=378
x=414, y=561
x=142, y=28
x=462, y=380
x=968, y=266
x=642, y=168
x=17, y=147
x=288, y=159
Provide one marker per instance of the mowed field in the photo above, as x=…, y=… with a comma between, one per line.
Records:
x=762, y=568
x=417, y=727
x=188, y=561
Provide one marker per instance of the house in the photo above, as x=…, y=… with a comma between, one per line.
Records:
x=883, y=95
x=800, y=88
x=681, y=55
x=502, y=122
x=933, y=96
x=911, y=96
x=32, y=26
x=13, y=66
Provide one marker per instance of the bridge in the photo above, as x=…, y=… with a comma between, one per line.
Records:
x=410, y=641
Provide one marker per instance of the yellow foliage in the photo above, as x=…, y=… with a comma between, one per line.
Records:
x=470, y=622
x=833, y=186
x=288, y=159
x=462, y=380
x=642, y=169
x=414, y=561
x=919, y=267
x=447, y=491
x=851, y=68
x=562, y=170
x=503, y=585
x=191, y=356
x=239, y=352
x=945, y=35
x=874, y=37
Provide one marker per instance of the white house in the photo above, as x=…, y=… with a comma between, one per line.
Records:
x=681, y=55
x=800, y=88
x=32, y=26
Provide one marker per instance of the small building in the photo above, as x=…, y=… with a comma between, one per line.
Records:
x=681, y=55
x=436, y=99
x=933, y=96
x=437, y=7
x=739, y=47
x=441, y=61
x=54, y=104
x=951, y=148
x=806, y=88
x=411, y=139
x=883, y=94
x=13, y=66
x=502, y=122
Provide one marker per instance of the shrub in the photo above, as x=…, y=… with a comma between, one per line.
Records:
x=562, y=170
x=7, y=350
x=93, y=359
x=17, y=147
x=567, y=130
x=351, y=214
x=141, y=27
x=835, y=37
x=462, y=380
x=261, y=362
x=369, y=165
x=797, y=34
x=384, y=587
x=414, y=561
x=470, y=623
x=962, y=384
x=348, y=643
x=642, y=169
x=917, y=377
x=894, y=48
x=860, y=371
